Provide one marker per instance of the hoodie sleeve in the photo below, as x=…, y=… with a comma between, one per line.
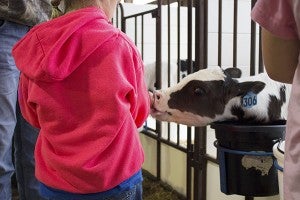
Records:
x=276, y=16
x=132, y=68
x=27, y=109
x=142, y=97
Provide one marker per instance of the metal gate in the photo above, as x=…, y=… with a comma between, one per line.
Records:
x=197, y=51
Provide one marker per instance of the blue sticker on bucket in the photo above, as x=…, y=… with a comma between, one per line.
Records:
x=249, y=100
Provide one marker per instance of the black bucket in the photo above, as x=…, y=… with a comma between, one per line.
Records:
x=245, y=157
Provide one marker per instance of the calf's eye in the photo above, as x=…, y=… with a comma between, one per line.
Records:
x=199, y=91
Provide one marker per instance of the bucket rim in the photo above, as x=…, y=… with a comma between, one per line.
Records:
x=245, y=127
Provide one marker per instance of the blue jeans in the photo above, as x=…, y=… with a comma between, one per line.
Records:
x=10, y=33
x=24, y=142
x=135, y=193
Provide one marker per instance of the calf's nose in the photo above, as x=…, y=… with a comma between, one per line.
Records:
x=157, y=95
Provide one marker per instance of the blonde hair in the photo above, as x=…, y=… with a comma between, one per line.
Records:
x=56, y=12
x=69, y=5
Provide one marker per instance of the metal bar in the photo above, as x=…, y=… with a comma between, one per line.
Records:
x=220, y=34
x=211, y=159
x=252, y=43
x=158, y=83
x=141, y=13
x=169, y=56
x=200, y=170
x=260, y=60
x=189, y=159
x=178, y=39
x=169, y=44
x=178, y=134
x=235, y=16
x=190, y=37
x=117, y=17
x=135, y=31
x=143, y=34
x=201, y=33
x=189, y=70
x=178, y=59
x=123, y=20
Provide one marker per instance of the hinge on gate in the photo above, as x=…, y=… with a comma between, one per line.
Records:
x=196, y=160
x=155, y=13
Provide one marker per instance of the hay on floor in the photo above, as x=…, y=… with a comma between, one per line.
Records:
x=157, y=190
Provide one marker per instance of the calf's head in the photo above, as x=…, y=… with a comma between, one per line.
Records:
x=203, y=97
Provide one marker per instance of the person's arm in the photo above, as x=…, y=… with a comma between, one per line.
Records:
x=280, y=56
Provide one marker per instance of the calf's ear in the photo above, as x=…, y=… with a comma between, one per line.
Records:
x=233, y=72
x=250, y=86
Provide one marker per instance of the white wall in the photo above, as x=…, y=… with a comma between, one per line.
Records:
x=243, y=38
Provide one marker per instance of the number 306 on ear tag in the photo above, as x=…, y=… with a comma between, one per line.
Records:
x=249, y=100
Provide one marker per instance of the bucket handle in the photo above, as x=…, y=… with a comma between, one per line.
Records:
x=278, y=146
x=277, y=166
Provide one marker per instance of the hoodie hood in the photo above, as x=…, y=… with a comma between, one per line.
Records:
x=52, y=50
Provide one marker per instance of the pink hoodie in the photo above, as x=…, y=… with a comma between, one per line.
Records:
x=82, y=85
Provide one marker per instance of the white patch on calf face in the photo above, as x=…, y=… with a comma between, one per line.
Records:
x=209, y=74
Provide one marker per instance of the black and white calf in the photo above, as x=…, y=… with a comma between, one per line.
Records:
x=213, y=94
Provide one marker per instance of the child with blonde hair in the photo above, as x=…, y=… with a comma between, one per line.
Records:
x=82, y=84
